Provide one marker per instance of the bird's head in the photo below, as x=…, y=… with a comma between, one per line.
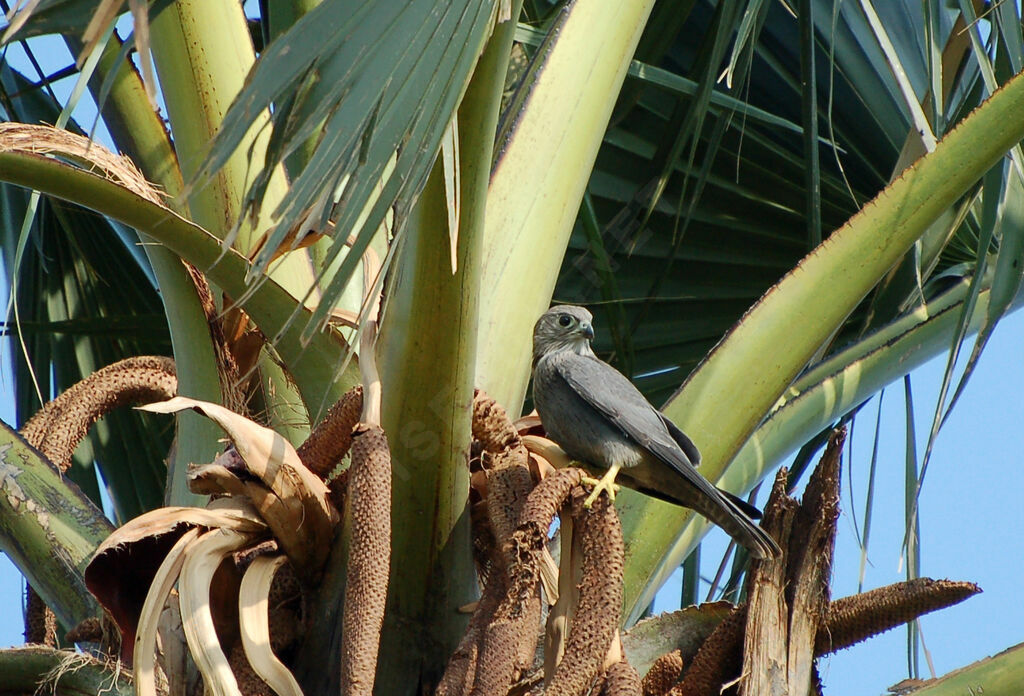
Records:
x=565, y=327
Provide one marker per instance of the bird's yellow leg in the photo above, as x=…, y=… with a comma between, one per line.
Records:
x=607, y=483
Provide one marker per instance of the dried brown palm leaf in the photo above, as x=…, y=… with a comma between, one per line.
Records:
x=202, y=559
x=303, y=517
x=254, y=623
x=123, y=567
x=144, y=656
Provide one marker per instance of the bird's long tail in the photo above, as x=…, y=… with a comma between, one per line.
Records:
x=691, y=490
x=734, y=516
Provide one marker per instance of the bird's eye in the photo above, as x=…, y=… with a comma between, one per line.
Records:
x=564, y=320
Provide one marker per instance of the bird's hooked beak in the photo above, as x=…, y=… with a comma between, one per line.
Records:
x=587, y=330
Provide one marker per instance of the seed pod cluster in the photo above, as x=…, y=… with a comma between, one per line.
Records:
x=596, y=616
x=500, y=641
x=369, y=510
x=519, y=496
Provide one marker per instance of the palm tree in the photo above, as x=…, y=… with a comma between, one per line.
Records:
x=676, y=164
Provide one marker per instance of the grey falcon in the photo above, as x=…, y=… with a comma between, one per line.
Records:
x=596, y=415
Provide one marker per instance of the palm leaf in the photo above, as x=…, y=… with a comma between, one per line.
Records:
x=363, y=102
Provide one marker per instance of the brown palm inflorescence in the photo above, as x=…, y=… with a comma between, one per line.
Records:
x=369, y=508
x=520, y=498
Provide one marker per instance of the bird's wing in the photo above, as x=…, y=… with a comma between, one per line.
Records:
x=684, y=442
x=615, y=397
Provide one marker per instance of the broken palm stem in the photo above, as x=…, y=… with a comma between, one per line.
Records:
x=789, y=594
x=789, y=619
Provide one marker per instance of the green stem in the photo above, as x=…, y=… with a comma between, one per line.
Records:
x=552, y=143
x=48, y=527
x=428, y=367
x=139, y=132
x=315, y=367
x=203, y=53
x=60, y=672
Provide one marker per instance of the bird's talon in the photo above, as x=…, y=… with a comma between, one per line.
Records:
x=603, y=484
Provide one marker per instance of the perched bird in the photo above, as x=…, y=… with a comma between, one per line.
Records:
x=596, y=415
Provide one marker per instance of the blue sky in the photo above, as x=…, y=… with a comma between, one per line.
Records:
x=970, y=515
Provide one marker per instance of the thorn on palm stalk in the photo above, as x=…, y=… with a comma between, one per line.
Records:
x=59, y=426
